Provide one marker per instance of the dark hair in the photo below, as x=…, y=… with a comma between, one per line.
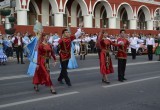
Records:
x=63, y=31
x=122, y=30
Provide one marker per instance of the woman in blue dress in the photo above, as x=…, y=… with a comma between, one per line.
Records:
x=72, y=61
x=33, y=49
x=3, y=57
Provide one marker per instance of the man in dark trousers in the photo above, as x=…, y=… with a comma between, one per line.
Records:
x=150, y=42
x=65, y=54
x=18, y=45
x=122, y=55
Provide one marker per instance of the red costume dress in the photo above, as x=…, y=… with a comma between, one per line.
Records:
x=105, y=58
x=42, y=75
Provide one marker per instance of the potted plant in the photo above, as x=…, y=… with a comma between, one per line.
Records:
x=6, y=12
x=10, y=31
x=12, y=19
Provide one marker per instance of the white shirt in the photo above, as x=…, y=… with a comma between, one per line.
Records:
x=134, y=42
x=78, y=33
x=150, y=41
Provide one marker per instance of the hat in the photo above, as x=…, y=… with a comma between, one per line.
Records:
x=38, y=27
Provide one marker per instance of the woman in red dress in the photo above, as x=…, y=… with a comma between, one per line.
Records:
x=42, y=73
x=106, y=66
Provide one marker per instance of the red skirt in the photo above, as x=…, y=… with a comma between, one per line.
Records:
x=106, y=66
x=42, y=75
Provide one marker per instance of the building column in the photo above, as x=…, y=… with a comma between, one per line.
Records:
x=88, y=21
x=150, y=25
x=22, y=17
x=58, y=19
x=133, y=24
x=112, y=23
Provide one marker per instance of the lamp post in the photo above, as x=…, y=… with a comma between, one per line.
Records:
x=157, y=20
x=97, y=26
x=124, y=25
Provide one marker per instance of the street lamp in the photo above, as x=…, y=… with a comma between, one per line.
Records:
x=124, y=25
x=97, y=26
x=157, y=19
x=69, y=24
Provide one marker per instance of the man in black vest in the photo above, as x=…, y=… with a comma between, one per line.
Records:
x=18, y=45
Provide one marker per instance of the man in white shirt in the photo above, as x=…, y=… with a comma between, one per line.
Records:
x=150, y=43
x=18, y=42
x=53, y=40
x=134, y=40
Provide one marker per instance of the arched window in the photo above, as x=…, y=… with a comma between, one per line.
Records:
x=32, y=15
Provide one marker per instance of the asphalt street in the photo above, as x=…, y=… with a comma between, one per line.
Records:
x=139, y=92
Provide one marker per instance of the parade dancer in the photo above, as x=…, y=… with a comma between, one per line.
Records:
x=26, y=42
x=157, y=51
x=32, y=49
x=72, y=64
x=106, y=66
x=9, y=50
x=83, y=48
x=122, y=55
x=3, y=57
x=42, y=73
x=65, y=53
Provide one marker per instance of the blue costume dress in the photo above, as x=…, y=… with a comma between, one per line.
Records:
x=3, y=57
x=72, y=61
x=32, y=56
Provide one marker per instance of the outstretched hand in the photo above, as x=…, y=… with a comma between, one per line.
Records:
x=81, y=24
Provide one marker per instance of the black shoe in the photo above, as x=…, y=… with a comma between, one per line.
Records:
x=3, y=64
x=107, y=82
x=36, y=89
x=61, y=82
x=124, y=79
x=69, y=84
x=22, y=63
x=120, y=80
x=53, y=91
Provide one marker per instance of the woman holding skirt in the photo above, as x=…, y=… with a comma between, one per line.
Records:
x=42, y=73
x=106, y=66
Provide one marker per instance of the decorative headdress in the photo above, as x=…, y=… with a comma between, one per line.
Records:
x=38, y=28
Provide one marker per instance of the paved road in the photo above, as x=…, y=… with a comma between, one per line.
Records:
x=139, y=92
